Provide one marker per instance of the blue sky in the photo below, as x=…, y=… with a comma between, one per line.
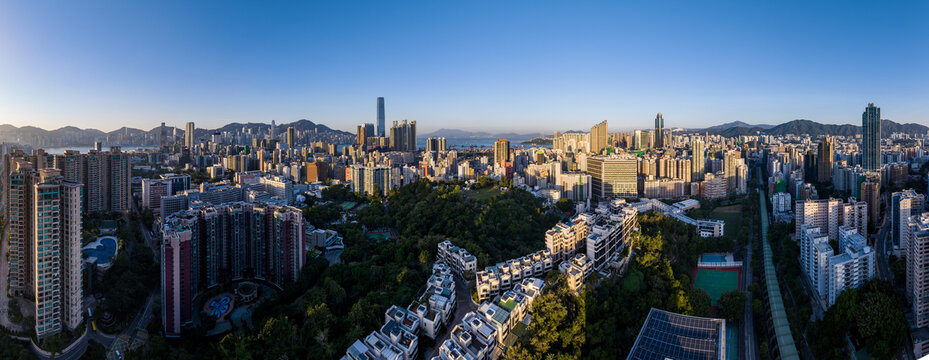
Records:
x=476, y=65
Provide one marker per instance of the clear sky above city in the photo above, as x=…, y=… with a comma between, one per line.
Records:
x=525, y=66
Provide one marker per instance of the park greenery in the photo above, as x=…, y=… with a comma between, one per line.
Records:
x=14, y=313
x=565, y=205
x=11, y=348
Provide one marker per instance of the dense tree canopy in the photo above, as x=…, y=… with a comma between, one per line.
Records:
x=871, y=314
x=731, y=305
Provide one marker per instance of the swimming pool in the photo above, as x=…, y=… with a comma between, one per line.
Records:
x=713, y=258
x=102, y=250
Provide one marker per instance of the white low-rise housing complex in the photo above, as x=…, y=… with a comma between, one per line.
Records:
x=459, y=259
x=576, y=271
x=564, y=239
x=397, y=338
x=481, y=334
x=494, y=280
x=436, y=306
x=472, y=339
x=610, y=231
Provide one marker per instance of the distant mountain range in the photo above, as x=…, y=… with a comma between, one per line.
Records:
x=812, y=128
x=736, y=124
x=73, y=136
x=731, y=129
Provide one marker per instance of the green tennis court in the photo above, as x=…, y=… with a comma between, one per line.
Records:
x=716, y=282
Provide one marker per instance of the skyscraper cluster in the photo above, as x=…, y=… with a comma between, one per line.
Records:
x=243, y=240
x=435, y=144
x=105, y=175
x=831, y=273
x=403, y=136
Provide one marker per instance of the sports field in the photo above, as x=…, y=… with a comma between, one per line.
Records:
x=717, y=281
x=347, y=205
x=732, y=215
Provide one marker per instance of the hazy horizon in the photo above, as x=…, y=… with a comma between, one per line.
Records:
x=422, y=133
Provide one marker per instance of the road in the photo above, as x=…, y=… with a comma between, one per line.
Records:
x=135, y=334
x=883, y=263
x=463, y=305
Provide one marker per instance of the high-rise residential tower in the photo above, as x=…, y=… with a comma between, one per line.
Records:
x=698, y=163
x=871, y=138
x=189, y=135
x=403, y=136
x=291, y=137
x=903, y=205
x=917, y=276
x=45, y=246
x=435, y=144
x=244, y=240
x=871, y=193
x=732, y=161
x=501, y=152
x=381, y=130
x=825, y=159
x=162, y=135
x=659, y=132
x=598, y=137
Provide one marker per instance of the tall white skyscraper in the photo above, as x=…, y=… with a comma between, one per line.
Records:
x=189, y=135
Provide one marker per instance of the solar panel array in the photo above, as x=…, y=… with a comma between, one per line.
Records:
x=667, y=335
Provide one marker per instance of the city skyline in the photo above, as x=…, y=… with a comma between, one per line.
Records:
x=243, y=64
